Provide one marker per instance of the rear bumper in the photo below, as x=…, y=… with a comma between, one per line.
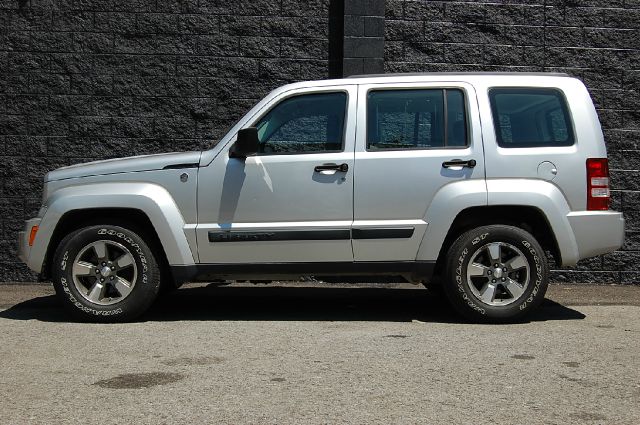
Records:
x=597, y=232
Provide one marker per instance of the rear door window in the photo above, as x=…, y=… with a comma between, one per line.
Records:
x=416, y=119
x=530, y=117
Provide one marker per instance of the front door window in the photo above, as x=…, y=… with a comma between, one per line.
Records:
x=310, y=123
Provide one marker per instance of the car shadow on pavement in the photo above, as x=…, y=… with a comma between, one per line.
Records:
x=290, y=303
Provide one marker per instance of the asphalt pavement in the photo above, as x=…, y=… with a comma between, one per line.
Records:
x=299, y=353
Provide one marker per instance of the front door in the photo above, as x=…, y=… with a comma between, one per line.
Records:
x=293, y=201
x=413, y=140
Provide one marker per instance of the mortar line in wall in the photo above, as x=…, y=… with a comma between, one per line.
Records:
x=544, y=35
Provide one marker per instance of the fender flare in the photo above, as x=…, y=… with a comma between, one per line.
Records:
x=151, y=199
x=456, y=197
x=445, y=206
x=546, y=197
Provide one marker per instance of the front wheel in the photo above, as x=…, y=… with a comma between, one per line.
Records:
x=105, y=274
x=495, y=274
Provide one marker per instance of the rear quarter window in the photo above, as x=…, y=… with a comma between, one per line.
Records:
x=530, y=117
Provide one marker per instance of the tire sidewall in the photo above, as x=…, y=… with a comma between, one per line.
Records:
x=143, y=292
x=462, y=251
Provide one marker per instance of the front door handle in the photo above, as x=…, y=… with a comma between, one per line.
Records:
x=459, y=163
x=343, y=168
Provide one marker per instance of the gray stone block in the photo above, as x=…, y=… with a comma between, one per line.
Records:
x=93, y=42
x=363, y=47
x=464, y=12
x=364, y=7
x=71, y=63
x=354, y=25
x=424, y=11
x=72, y=20
x=463, y=53
x=262, y=47
x=393, y=9
x=198, y=24
x=373, y=65
x=593, y=277
x=305, y=8
x=511, y=14
x=373, y=26
x=621, y=260
x=215, y=45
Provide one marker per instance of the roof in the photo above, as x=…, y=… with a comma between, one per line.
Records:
x=428, y=74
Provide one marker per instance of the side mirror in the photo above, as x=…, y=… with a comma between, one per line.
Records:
x=246, y=143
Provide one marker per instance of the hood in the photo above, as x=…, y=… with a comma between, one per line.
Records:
x=126, y=165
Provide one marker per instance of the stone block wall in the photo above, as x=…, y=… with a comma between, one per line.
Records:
x=88, y=79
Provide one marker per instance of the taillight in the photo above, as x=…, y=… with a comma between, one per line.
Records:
x=598, y=195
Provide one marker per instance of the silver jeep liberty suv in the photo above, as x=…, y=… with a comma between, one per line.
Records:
x=469, y=181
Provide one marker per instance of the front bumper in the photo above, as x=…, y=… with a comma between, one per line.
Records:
x=597, y=232
x=24, y=250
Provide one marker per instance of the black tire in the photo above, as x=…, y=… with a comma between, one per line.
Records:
x=495, y=294
x=103, y=301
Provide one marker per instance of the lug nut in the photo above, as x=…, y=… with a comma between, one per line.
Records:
x=104, y=264
x=503, y=279
x=489, y=272
x=97, y=271
x=112, y=278
x=102, y=279
x=504, y=270
x=493, y=281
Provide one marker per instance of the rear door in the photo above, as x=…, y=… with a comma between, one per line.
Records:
x=412, y=139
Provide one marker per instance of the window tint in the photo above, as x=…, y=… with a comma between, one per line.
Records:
x=415, y=119
x=530, y=117
x=309, y=123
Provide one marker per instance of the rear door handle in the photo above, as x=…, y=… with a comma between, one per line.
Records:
x=343, y=168
x=459, y=163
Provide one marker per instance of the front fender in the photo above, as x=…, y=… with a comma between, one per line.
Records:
x=153, y=200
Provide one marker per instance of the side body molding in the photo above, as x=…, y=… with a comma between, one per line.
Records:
x=153, y=200
x=448, y=202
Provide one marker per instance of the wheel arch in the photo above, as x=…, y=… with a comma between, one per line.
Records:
x=146, y=205
x=528, y=218
x=131, y=218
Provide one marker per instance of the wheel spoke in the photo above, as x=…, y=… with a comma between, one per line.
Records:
x=96, y=293
x=488, y=292
x=101, y=250
x=514, y=288
x=83, y=268
x=123, y=286
x=516, y=263
x=477, y=269
x=124, y=260
x=494, y=252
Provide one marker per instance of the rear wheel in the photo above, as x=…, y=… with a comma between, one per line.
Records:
x=495, y=273
x=105, y=274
